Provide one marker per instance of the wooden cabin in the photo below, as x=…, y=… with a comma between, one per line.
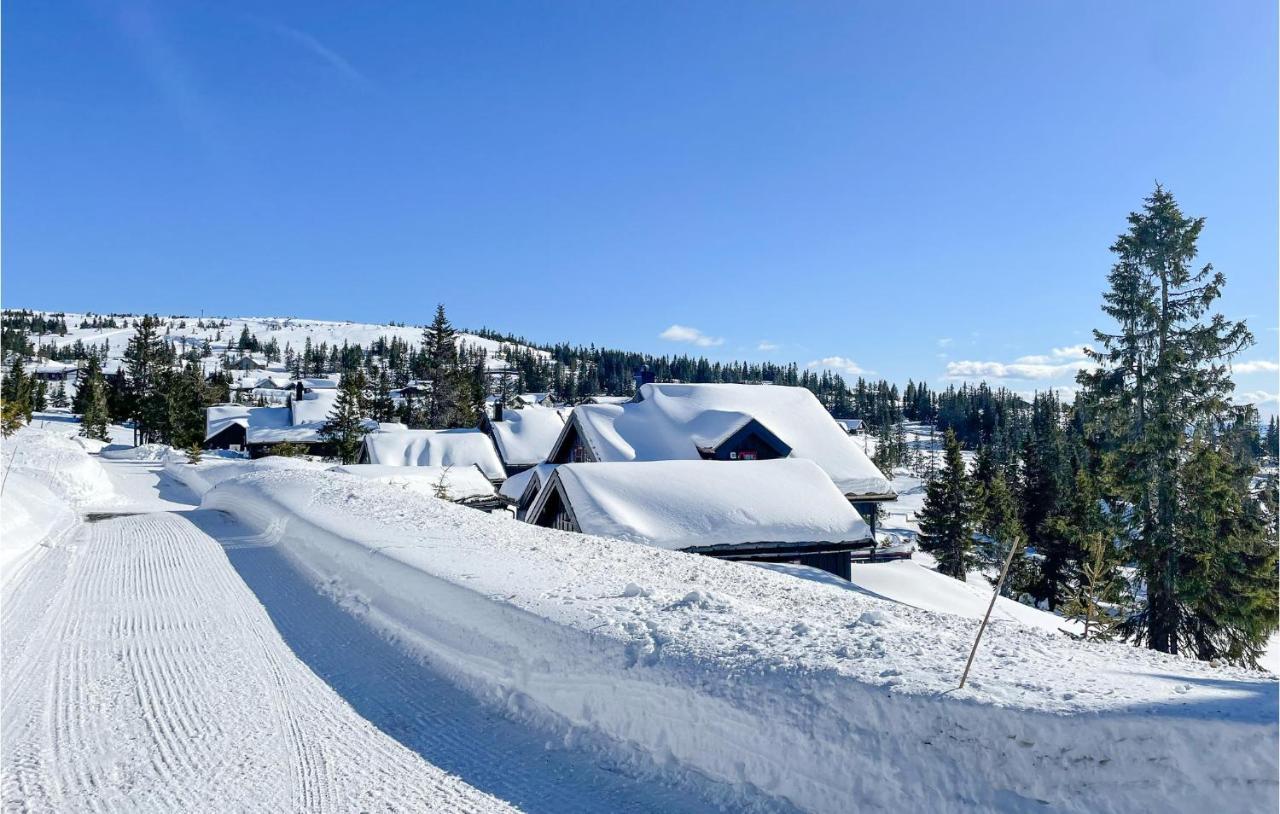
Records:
x=226, y=426
x=781, y=510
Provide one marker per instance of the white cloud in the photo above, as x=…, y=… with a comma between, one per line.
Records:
x=1255, y=366
x=1256, y=397
x=1058, y=363
x=766, y=346
x=683, y=333
x=944, y=341
x=839, y=363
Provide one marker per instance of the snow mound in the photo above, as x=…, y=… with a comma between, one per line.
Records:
x=48, y=476
x=146, y=452
x=207, y=474
x=801, y=691
x=60, y=462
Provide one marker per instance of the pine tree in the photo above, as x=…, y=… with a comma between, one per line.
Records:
x=94, y=420
x=18, y=390
x=1042, y=491
x=440, y=347
x=996, y=516
x=147, y=361
x=381, y=406
x=1226, y=561
x=946, y=529
x=186, y=404
x=1099, y=588
x=345, y=425
x=194, y=454
x=1162, y=371
x=40, y=396
x=58, y=398
x=1271, y=441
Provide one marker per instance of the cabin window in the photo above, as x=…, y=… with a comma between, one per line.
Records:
x=578, y=454
x=563, y=521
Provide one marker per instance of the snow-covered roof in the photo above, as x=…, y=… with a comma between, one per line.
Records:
x=672, y=421
x=275, y=382
x=684, y=504
x=526, y=436
x=220, y=416
x=534, y=399
x=607, y=400
x=313, y=407
x=48, y=366
x=319, y=384
x=462, y=483
x=434, y=448
x=850, y=424
x=515, y=486
x=272, y=425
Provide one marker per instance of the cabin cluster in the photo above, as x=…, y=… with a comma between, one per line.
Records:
x=743, y=472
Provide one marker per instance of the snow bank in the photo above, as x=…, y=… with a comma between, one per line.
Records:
x=824, y=697
x=48, y=476
x=207, y=474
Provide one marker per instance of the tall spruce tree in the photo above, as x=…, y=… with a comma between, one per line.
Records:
x=186, y=401
x=1043, y=485
x=946, y=528
x=1226, y=566
x=1162, y=370
x=440, y=349
x=345, y=425
x=92, y=395
x=147, y=361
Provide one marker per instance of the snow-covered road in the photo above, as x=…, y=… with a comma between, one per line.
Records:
x=163, y=661
x=140, y=673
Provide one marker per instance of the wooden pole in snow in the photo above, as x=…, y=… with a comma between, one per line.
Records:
x=999, y=584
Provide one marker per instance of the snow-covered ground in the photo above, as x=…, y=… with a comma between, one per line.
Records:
x=284, y=330
x=269, y=634
x=789, y=689
x=168, y=661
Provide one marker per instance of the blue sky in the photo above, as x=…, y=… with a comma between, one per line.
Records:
x=920, y=190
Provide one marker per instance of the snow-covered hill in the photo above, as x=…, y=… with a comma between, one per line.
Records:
x=291, y=331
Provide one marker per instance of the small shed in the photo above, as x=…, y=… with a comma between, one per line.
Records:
x=853, y=426
x=784, y=510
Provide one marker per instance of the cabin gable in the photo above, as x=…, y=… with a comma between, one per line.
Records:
x=752, y=441
x=553, y=509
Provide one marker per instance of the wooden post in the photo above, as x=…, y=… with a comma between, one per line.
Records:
x=999, y=584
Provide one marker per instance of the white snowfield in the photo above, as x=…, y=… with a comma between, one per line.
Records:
x=285, y=330
x=810, y=695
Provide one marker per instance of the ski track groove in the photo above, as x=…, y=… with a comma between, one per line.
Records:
x=140, y=673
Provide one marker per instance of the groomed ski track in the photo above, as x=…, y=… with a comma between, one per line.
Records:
x=166, y=661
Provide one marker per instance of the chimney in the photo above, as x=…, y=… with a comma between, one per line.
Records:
x=297, y=391
x=497, y=409
x=643, y=376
